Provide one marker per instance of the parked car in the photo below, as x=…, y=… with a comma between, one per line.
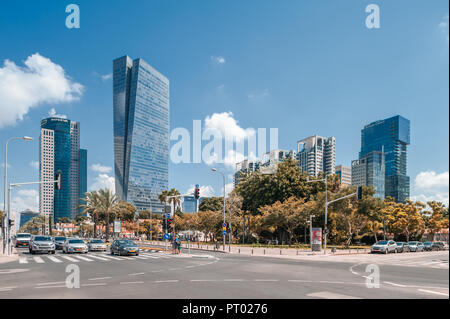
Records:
x=402, y=247
x=96, y=245
x=439, y=245
x=22, y=240
x=75, y=245
x=415, y=246
x=384, y=246
x=41, y=244
x=59, y=242
x=124, y=247
x=427, y=246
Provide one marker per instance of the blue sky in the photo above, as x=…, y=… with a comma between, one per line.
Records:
x=304, y=67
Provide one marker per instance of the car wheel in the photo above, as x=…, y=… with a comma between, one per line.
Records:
x=112, y=252
x=53, y=252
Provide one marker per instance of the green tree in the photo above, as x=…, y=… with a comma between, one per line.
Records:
x=35, y=225
x=109, y=206
x=92, y=207
x=211, y=203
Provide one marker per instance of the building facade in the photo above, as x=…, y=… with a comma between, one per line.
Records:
x=392, y=135
x=317, y=154
x=60, y=152
x=345, y=175
x=189, y=204
x=369, y=170
x=26, y=216
x=141, y=132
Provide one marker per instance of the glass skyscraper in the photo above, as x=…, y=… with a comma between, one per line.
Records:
x=369, y=170
x=141, y=132
x=60, y=152
x=392, y=134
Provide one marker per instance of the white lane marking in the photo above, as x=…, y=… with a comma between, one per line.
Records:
x=50, y=283
x=39, y=260
x=137, y=274
x=97, y=257
x=433, y=292
x=190, y=266
x=140, y=257
x=54, y=259
x=166, y=281
x=131, y=282
x=330, y=295
x=84, y=258
x=98, y=284
x=70, y=259
x=41, y=287
x=157, y=270
x=100, y=278
x=23, y=260
x=394, y=284
x=149, y=256
x=7, y=288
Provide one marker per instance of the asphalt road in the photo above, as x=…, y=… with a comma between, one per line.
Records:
x=219, y=275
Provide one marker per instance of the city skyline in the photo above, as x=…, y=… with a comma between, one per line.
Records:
x=243, y=86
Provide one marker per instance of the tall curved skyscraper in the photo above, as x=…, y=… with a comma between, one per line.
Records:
x=141, y=132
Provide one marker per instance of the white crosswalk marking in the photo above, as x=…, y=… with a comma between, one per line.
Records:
x=70, y=259
x=112, y=257
x=54, y=259
x=98, y=257
x=23, y=260
x=150, y=256
x=84, y=258
x=39, y=260
x=141, y=257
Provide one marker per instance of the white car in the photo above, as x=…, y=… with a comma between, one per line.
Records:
x=96, y=245
x=384, y=246
x=75, y=245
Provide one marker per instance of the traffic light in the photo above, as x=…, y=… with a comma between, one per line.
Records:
x=169, y=222
x=359, y=193
x=197, y=192
x=58, y=180
x=10, y=223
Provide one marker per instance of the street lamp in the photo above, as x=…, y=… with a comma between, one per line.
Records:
x=6, y=229
x=215, y=170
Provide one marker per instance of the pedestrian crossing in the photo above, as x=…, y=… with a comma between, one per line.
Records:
x=92, y=257
x=436, y=262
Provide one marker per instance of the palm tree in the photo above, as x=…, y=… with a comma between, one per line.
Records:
x=92, y=207
x=175, y=201
x=163, y=197
x=109, y=204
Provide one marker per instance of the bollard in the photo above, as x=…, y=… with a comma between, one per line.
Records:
x=252, y=251
x=239, y=250
x=297, y=252
x=264, y=251
x=280, y=252
x=229, y=249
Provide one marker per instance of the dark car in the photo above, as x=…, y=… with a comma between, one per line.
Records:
x=402, y=247
x=59, y=242
x=439, y=245
x=427, y=246
x=124, y=247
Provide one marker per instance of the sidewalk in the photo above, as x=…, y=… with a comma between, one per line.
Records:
x=4, y=258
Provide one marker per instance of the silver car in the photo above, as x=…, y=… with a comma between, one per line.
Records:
x=96, y=245
x=22, y=240
x=415, y=246
x=384, y=246
x=41, y=244
x=75, y=245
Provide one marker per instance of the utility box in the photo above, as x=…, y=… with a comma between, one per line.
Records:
x=316, y=239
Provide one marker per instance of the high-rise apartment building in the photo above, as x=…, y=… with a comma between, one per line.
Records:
x=369, y=170
x=317, y=154
x=141, y=132
x=345, y=175
x=392, y=134
x=60, y=152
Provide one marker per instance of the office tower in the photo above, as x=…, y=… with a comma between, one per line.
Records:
x=83, y=177
x=243, y=168
x=317, y=154
x=141, y=132
x=26, y=216
x=60, y=152
x=369, y=170
x=394, y=135
x=345, y=175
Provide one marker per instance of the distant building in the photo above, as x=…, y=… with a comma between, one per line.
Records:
x=141, y=132
x=60, y=152
x=317, y=154
x=26, y=216
x=369, y=170
x=345, y=175
x=189, y=204
x=392, y=134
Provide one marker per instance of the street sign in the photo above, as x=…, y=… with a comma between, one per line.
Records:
x=325, y=231
x=166, y=236
x=117, y=226
x=224, y=232
x=224, y=225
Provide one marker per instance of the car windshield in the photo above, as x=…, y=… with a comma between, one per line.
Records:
x=60, y=238
x=427, y=243
x=23, y=235
x=126, y=243
x=382, y=242
x=96, y=241
x=76, y=241
x=400, y=244
x=42, y=238
x=414, y=243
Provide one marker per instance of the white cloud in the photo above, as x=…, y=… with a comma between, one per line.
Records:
x=25, y=199
x=258, y=94
x=40, y=81
x=232, y=158
x=430, y=186
x=3, y=165
x=106, y=77
x=218, y=59
x=227, y=126
x=103, y=181
x=34, y=164
x=52, y=113
x=228, y=188
x=205, y=190
x=444, y=27
x=100, y=168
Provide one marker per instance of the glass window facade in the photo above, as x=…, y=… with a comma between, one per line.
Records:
x=141, y=132
x=83, y=176
x=392, y=135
